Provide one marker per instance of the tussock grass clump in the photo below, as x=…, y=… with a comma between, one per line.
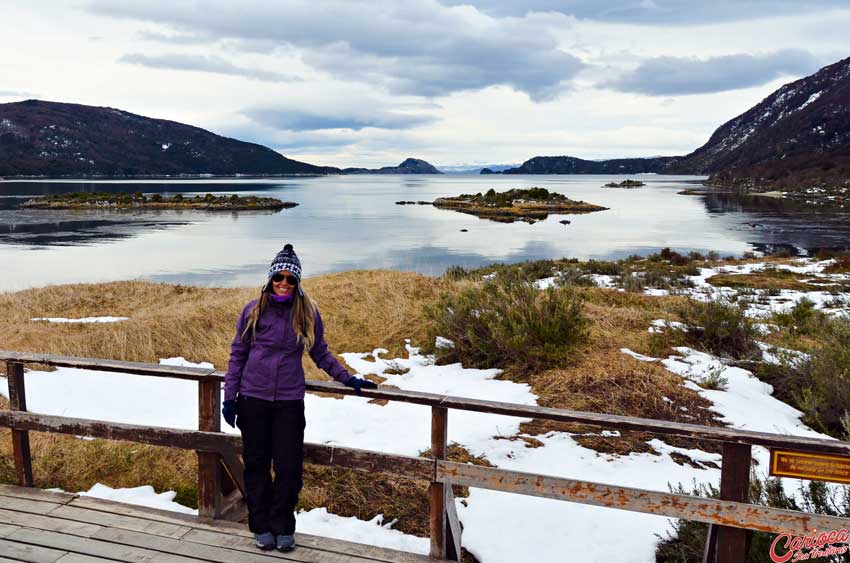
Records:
x=719, y=327
x=508, y=323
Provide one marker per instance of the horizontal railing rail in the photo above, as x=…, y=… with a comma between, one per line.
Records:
x=608, y=421
x=713, y=511
x=731, y=516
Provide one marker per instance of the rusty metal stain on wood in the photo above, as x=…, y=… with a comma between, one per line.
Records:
x=712, y=511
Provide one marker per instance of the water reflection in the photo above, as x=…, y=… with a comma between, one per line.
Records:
x=352, y=222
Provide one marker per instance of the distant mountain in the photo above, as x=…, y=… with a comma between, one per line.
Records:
x=409, y=166
x=475, y=169
x=573, y=165
x=796, y=138
x=40, y=138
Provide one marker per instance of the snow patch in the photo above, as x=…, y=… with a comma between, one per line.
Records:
x=82, y=320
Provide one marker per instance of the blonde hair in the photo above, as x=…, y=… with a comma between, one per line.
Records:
x=302, y=315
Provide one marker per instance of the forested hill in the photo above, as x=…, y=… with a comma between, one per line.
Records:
x=41, y=138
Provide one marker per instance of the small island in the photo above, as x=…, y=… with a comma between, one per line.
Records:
x=529, y=205
x=208, y=202
x=628, y=184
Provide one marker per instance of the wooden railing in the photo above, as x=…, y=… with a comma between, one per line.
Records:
x=220, y=479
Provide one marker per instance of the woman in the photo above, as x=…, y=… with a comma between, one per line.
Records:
x=264, y=392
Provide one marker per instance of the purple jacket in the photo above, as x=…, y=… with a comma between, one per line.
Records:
x=270, y=367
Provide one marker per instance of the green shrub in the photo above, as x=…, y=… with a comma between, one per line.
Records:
x=720, y=328
x=456, y=273
x=631, y=282
x=825, y=393
x=604, y=268
x=571, y=275
x=804, y=318
x=820, y=384
x=507, y=323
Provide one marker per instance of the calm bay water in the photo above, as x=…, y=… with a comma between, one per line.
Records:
x=352, y=222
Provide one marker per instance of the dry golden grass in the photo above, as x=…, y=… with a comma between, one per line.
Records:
x=777, y=279
x=362, y=311
x=600, y=378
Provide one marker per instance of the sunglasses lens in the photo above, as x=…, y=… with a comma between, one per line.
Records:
x=291, y=280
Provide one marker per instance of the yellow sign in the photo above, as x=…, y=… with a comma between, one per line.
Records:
x=818, y=467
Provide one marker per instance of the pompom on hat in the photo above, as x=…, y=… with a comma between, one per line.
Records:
x=286, y=260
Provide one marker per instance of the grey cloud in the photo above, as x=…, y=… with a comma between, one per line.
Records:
x=668, y=76
x=655, y=12
x=203, y=63
x=173, y=38
x=418, y=47
x=292, y=119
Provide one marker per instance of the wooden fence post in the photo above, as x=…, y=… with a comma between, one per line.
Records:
x=733, y=543
x=20, y=438
x=209, y=469
x=439, y=447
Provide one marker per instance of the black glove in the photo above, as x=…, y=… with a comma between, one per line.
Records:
x=357, y=384
x=228, y=411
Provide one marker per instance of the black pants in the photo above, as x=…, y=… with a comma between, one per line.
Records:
x=272, y=431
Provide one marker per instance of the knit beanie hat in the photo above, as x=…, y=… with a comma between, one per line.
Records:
x=286, y=260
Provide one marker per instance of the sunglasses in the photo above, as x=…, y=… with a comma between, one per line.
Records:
x=291, y=280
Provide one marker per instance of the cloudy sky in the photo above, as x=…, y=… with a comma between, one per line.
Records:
x=369, y=83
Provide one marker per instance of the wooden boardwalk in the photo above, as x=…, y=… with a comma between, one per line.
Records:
x=42, y=526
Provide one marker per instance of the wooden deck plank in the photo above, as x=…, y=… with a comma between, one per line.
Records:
x=361, y=550
x=6, y=529
x=246, y=544
x=36, y=494
x=122, y=521
x=83, y=546
x=77, y=558
x=28, y=520
x=29, y=553
x=188, y=549
x=26, y=505
x=220, y=526
x=89, y=510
